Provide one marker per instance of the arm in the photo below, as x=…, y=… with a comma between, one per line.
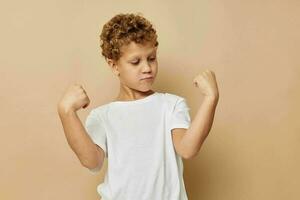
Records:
x=87, y=152
x=194, y=136
x=191, y=140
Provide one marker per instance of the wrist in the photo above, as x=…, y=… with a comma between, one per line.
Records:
x=63, y=110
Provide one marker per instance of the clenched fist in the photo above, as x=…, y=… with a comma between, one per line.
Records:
x=207, y=82
x=73, y=99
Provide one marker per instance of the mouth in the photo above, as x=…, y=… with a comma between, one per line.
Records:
x=148, y=78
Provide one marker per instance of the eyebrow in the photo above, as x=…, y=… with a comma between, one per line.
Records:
x=134, y=56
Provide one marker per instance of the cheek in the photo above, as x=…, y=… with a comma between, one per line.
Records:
x=131, y=75
x=155, y=67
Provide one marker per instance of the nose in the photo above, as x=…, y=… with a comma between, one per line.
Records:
x=147, y=67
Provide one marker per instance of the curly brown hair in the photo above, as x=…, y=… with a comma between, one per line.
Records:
x=121, y=30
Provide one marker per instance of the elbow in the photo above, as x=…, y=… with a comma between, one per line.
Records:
x=92, y=167
x=189, y=156
x=96, y=168
x=95, y=162
x=191, y=153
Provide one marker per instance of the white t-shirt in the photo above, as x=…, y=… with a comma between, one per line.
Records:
x=137, y=141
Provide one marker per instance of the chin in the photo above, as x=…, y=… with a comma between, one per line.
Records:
x=145, y=89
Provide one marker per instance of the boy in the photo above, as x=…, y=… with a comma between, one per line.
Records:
x=144, y=134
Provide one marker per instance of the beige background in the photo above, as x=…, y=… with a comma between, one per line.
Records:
x=252, y=152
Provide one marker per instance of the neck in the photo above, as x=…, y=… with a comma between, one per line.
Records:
x=127, y=94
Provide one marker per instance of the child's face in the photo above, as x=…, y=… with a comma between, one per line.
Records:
x=137, y=62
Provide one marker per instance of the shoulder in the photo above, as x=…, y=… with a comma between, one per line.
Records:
x=173, y=98
x=99, y=110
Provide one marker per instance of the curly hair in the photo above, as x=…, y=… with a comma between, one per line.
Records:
x=121, y=30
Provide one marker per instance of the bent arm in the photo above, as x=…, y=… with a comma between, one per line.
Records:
x=195, y=135
x=88, y=153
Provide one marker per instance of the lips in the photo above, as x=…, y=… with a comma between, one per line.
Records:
x=149, y=77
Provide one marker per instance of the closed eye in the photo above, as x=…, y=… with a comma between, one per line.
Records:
x=137, y=62
x=152, y=59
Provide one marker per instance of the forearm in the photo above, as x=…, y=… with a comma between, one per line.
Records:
x=200, y=126
x=78, y=139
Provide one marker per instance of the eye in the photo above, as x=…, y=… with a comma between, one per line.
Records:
x=135, y=63
x=153, y=59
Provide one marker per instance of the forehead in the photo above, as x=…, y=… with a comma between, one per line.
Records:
x=135, y=49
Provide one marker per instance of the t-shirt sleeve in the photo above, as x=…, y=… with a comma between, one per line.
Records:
x=95, y=129
x=180, y=117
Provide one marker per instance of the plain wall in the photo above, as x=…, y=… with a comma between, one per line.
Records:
x=252, y=151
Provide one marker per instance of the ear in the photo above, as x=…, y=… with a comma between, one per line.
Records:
x=113, y=65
